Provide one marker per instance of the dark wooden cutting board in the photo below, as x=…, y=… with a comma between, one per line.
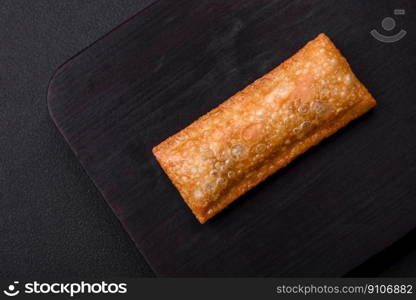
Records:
x=330, y=210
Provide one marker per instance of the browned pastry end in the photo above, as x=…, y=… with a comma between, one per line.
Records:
x=262, y=128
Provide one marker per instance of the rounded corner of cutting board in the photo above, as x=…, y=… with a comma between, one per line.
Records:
x=52, y=96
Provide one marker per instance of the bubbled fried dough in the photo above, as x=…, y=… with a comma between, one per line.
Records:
x=262, y=128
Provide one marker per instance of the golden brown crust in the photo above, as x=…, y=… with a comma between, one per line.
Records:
x=262, y=128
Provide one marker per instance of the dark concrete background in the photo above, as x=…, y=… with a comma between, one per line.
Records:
x=53, y=221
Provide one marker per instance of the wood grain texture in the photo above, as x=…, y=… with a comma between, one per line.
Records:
x=324, y=214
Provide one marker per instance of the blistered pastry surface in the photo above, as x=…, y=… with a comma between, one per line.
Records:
x=263, y=127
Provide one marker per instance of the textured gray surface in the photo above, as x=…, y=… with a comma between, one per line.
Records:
x=53, y=221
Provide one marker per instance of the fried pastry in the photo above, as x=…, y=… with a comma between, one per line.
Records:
x=262, y=128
